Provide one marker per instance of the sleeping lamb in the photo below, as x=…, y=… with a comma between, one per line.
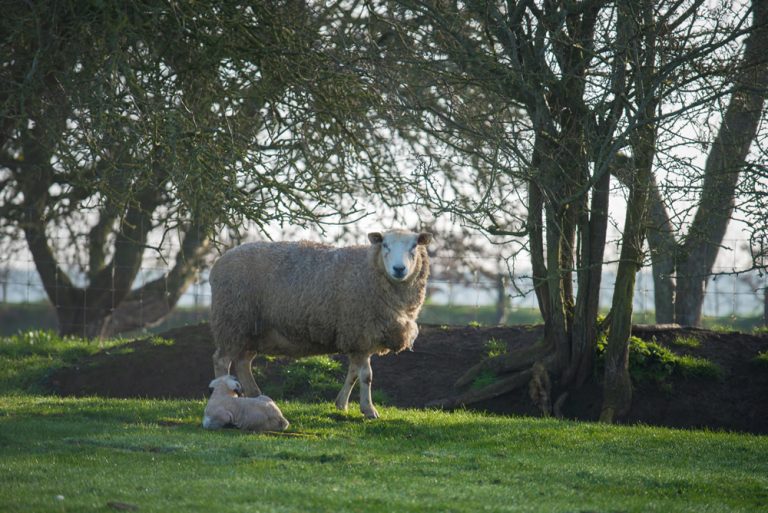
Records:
x=301, y=298
x=226, y=408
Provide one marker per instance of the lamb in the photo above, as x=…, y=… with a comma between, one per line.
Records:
x=226, y=408
x=301, y=298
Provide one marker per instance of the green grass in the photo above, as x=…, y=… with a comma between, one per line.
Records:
x=682, y=341
x=652, y=363
x=483, y=379
x=311, y=379
x=154, y=455
x=761, y=359
x=26, y=358
x=695, y=367
x=79, y=455
x=495, y=347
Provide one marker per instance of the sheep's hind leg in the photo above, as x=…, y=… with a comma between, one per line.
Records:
x=221, y=363
x=366, y=378
x=245, y=373
x=342, y=400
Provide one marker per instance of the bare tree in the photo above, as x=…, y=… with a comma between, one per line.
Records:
x=683, y=265
x=542, y=97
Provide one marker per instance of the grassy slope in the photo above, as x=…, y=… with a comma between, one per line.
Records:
x=154, y=455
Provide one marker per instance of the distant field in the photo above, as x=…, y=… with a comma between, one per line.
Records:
x=95, y=454
x=19, y=317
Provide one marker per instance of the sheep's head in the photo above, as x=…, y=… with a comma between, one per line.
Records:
x=401, y=252
x=229, y=385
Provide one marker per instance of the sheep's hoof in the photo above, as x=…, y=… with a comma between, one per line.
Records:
x=372, y=414
x=342, y=407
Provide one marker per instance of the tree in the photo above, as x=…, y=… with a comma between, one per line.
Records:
x=542, y=96
x=126, y=124
x=682, y=266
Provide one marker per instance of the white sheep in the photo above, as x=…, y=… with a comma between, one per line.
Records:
x=226, y=408
x=301, y=298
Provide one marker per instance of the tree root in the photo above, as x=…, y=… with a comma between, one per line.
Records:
x=540, y=389
x=507, y=363
x=501, y=387
x=558, y=408
x=536, y=376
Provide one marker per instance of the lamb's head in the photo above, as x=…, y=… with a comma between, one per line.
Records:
x=402, y=252
x=226, y=385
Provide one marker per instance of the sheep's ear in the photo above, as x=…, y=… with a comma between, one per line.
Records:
x=424, y=238
x=213, y=383
x=375, y=238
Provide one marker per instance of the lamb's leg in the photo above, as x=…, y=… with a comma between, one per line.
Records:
x=366, y=378
x=342, y=400
x=245, y=374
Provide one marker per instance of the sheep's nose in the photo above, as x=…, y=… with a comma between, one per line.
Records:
x=399, y=270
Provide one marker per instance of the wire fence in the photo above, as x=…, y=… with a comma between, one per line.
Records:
x=732, y=291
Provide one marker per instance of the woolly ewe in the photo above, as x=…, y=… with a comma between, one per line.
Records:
x=300, y=299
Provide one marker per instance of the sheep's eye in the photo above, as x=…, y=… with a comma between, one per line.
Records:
x=386, y=246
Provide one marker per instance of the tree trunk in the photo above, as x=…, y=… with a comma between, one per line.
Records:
x=535, y=236
x=151, y=303
x=85, y=311
x=662, y=243
x=77, y=319
x=765, y=306
x=502, y=301
x=594, y=227
x=617, y=386
x=721, y=172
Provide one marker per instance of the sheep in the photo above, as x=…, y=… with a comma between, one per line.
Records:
x=227, y=408
x=302, y=298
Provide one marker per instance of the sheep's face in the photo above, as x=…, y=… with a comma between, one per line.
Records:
x=400, y=253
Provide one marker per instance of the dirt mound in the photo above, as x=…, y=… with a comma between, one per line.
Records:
x=182, y=369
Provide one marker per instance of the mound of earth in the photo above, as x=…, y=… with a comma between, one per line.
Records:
x=182, y=368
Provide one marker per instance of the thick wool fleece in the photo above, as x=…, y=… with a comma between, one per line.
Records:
x=301, y=298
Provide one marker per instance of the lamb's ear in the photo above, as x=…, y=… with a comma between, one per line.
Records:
x=375, y=238
x=424, y=238
x=234, y=385
x=213, y=383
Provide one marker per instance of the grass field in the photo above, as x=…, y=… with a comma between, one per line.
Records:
x=95, y=454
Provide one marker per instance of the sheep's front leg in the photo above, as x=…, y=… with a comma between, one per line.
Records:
x=412, y=332
x=342, y=400
x=366, y=378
